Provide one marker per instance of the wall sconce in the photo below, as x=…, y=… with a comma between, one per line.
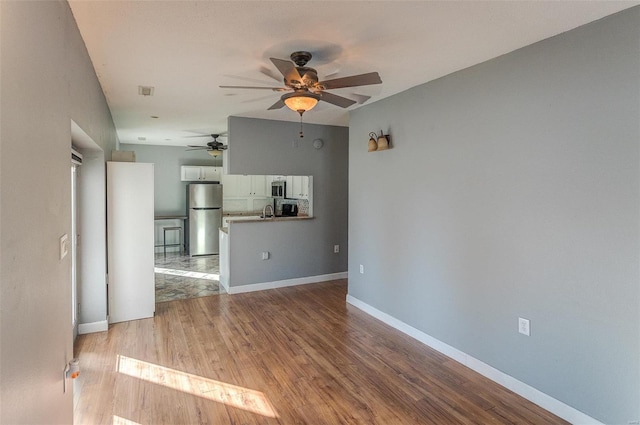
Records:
x=381, y=144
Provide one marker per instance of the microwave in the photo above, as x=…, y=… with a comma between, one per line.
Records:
x=279, y=189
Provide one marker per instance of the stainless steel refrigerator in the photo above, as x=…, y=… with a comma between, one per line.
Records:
x=204, y=208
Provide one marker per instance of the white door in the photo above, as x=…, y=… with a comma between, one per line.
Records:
x=130, y=239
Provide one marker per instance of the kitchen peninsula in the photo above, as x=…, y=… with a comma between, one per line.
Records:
x=299, y=250
x=289, y=199
x=254, y=248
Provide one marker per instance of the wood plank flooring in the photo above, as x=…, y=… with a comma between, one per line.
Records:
x=297, y=355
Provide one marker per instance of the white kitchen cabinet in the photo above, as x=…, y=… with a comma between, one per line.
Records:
x=276, y=179
x=188, y=173
x=259, y=186
x=298, y=187
x=239, y=186
x=211, y=173
x=200, y=173
x=236, y=186
x=289, y=189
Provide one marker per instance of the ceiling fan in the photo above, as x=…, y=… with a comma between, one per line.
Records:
x=306, y=90
x=213, y=148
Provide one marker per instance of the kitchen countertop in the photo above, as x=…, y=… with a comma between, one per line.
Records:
x=240, y=213
x=256, y=220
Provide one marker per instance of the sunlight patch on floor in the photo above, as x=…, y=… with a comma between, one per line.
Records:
x=187, y=273
x=117, y=420
x=231, y=395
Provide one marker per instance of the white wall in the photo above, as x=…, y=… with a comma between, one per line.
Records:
x=513, y=190
x=92, y=266
x=46, y=80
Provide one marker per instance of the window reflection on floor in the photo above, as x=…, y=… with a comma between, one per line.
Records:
x=221, y=392
x=180, y=277
x=117, y=420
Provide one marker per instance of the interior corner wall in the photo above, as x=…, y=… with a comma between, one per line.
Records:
x=512, y=190
x=300, y=248
x=47, y=80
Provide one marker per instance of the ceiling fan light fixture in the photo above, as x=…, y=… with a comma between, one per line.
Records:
x=300, y=101
x=214, y=152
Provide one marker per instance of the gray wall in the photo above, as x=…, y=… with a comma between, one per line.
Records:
x=512, y=190
x=301, y=248
x=170, y=192
x=47, y=80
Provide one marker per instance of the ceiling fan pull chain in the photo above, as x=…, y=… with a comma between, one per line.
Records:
x=300, y=111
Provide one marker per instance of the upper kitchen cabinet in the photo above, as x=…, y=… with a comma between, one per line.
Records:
x=298, y=187
x=200, y=173
x=259, y=186
x=243, y=186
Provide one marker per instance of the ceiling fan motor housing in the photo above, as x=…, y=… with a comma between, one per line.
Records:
x=309, y=77
x=301, y=58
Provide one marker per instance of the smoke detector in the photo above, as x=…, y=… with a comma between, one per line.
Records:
x=145, y=90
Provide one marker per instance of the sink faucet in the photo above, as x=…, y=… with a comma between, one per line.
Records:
x=264, y=211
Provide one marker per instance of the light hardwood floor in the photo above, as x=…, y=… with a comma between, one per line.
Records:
x=297, y=355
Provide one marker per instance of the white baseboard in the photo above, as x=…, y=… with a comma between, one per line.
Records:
x=89, y=328
x=284, y=283
x=543, y=400
x=224, y=282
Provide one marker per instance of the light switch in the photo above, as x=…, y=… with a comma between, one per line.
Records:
x=64, y=245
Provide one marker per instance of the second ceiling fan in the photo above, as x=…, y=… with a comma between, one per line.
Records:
x=306, y=90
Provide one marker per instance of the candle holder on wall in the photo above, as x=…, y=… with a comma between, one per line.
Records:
x=378, y=143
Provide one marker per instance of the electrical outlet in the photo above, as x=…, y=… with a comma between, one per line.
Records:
x=361, y=269
x=336, y=249
x=523, y=326
x=265, y=255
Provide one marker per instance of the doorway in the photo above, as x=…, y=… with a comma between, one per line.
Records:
x=74, y=245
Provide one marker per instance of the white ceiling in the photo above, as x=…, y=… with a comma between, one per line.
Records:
x=186, y=49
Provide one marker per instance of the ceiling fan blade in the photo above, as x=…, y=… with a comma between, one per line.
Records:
x=197, y=148
x=360, y=98
x=257, y=88
x=269, y=73
x=279, y=104
x=258, y=99
x=288, y=69
x=334, y=99
x=223, y=134
x=352, y=81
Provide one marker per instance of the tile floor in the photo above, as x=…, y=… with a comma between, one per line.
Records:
x=179, y=276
